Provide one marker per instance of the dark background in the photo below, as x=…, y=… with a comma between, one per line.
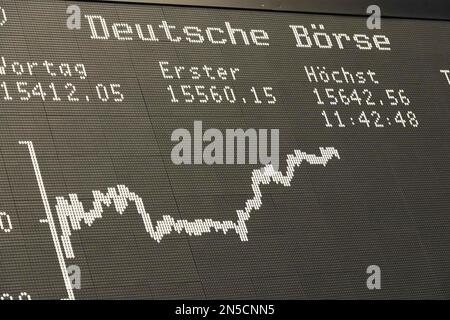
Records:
x=425, y=9
x=386, y=202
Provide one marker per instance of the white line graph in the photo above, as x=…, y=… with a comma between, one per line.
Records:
x=49, y=219
x=71, y=213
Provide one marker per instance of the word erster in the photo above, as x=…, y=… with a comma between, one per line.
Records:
x=197, y=72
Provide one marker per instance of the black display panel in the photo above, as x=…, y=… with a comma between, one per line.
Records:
x=124, y=174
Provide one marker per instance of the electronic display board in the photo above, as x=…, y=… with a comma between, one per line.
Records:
x=150, y=151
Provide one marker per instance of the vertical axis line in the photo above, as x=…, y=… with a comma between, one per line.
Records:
x=50, y=221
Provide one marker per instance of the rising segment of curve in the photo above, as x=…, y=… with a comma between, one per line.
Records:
x=71, y=213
